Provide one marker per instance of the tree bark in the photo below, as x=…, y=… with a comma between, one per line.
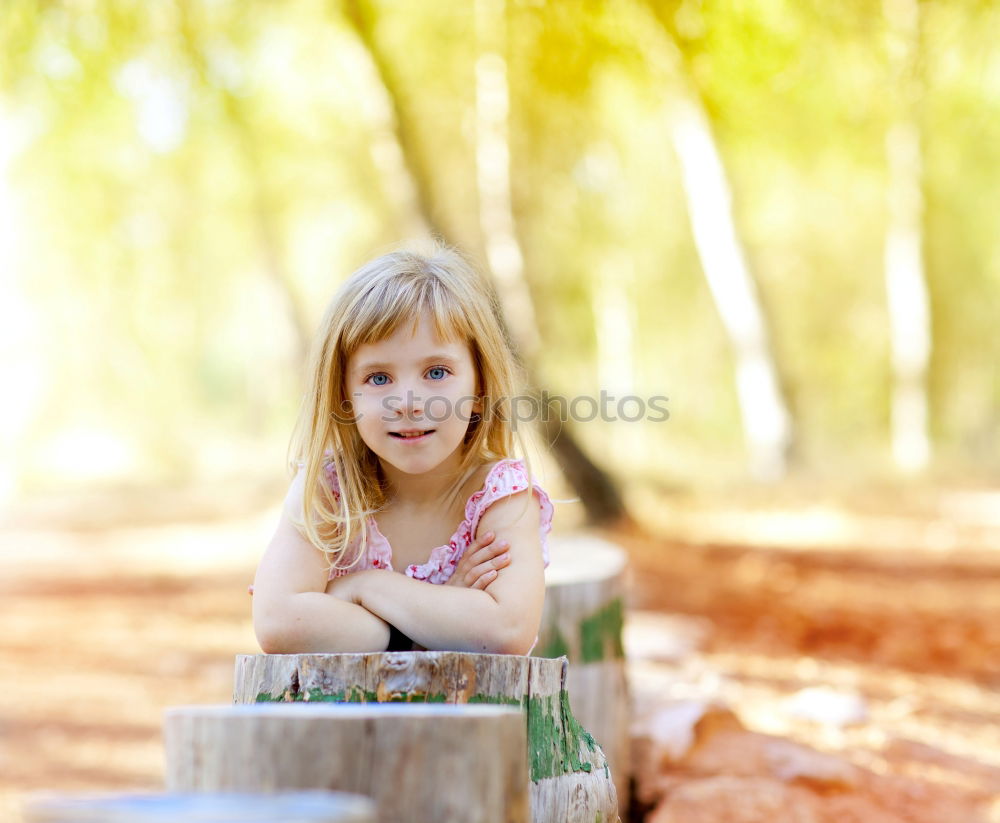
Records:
x=266, y=229
x=417, y=762
x=567, y=776
x=908, y=302
x=583, y=619
x=358, y=14
x=767, y=422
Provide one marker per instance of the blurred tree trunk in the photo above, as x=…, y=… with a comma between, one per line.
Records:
x=388, y=155
x=906, y=289
x=496, y=218
x=767, y=423
x=398, y=121
x=22, y=363
x=267, y=232
x=597, y=490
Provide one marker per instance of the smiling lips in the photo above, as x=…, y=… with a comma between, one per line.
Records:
x=412, y=434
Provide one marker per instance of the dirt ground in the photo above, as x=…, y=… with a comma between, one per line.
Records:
x=107, y=618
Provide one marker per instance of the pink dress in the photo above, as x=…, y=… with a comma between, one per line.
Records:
x=505, y=477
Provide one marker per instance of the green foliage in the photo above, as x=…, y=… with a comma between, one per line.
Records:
x=196, y=178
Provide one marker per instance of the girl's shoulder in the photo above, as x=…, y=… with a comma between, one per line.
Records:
x=328, y=466
x=508, y=472
x=504, y=478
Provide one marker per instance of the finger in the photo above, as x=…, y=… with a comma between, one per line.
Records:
x=475, y=560
x=482, y=540
x=485, y=579
x=484, y=554
x=491, y=565
x=466, y=579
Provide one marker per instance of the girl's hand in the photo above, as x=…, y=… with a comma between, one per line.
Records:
x=346, y=587
x=481, y=562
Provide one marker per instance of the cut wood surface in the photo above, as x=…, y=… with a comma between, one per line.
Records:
x=570, y=780
x=585, y=586
x=448, y=764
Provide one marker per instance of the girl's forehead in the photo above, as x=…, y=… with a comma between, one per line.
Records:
x=407, y=344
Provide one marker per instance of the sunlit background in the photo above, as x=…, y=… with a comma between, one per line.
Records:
x=782, y=216
x=183, y=185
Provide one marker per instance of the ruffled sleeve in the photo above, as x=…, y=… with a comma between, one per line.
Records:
x=506, y=478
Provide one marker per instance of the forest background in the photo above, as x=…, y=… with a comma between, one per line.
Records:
x=782, y=216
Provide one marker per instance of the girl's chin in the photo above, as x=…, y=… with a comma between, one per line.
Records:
x=418, y=461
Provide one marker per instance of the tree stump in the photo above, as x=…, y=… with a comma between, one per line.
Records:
x=583, y=619
x=569, y=778
x=447, y=764
x=303, y=807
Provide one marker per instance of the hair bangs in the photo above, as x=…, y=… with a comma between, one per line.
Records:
x=449, y=320
x=402, y=298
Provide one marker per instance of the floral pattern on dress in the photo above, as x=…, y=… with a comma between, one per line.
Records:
x=505, y=477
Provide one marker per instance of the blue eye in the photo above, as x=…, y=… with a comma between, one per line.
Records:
x=437, y=373
x=379, y=379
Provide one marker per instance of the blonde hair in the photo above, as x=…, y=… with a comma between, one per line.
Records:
x=369, y=307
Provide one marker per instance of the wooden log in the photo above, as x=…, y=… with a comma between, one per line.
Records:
x=583, y=619
x=419, y=763
x=302, y=807
x=570, y=781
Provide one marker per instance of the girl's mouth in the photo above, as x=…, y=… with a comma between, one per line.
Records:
x=413, y=435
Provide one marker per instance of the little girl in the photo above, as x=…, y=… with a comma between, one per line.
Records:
x=409, y=524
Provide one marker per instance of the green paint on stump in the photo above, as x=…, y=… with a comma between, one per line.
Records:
x=355, y=694
x=555, y=646
x=498, y=699
x=555, y=738
x=600, y=637
x=601, y=631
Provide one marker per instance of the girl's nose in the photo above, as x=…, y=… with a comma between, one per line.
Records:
x=409, y=402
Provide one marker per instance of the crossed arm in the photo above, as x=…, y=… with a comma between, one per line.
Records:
x=297, y=610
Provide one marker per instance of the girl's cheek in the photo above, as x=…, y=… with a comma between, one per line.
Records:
x=370, y=405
